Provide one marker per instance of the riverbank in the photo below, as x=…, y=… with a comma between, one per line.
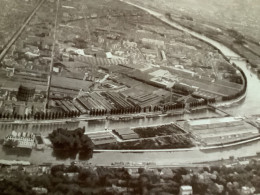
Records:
x=180, y=156
x=251, y=101
x=202, y=148
x=241, y=43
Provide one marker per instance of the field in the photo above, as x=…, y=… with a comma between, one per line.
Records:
x=220, y=20
x=222, y=12
x=13, y=13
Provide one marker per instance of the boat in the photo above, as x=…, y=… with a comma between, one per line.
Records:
x=138, y=117
x=113, y=118
x=126, y=118
x=174, y=113
x=161, y=115
x=73, y=121
x=152, y=116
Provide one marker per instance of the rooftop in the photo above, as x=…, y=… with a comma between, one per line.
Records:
x=213, y=121
x=186, y=187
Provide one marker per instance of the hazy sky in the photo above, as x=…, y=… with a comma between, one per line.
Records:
x=238, y=12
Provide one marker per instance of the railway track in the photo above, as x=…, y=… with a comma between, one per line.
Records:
x=19, y=31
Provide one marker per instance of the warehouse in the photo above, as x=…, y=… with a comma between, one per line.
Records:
x=221, y=130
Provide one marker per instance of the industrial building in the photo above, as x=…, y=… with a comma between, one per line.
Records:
x=126, y=133
x=25, y=93
x=210, y=123
x=221, y=130
x=102, y=138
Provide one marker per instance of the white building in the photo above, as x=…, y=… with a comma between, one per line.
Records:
x=23, y=140
x=186, y=190
x=9, y=72
x=247, y=190
x=157, y=43
x=212, y=123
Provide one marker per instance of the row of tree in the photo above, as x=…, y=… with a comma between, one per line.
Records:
x=14, y=116
x=202, y=103
x=95, y=112
x=55, y=115
x=173, y=106
x=40, y=115
x=131, y=110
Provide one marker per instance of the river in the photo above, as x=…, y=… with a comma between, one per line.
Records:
x=247, y=106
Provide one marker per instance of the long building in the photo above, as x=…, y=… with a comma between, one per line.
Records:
x=212, y=123
x=221, y=130
x=118, y=100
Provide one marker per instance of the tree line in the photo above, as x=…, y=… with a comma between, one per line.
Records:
x=40, y=115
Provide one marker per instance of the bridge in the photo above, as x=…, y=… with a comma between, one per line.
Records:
x=220, y=111
x=238, y=58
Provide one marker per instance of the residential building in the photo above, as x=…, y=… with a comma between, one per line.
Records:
x=39, y=190
x=10, y=72
x=247, y=190
x=186, y=190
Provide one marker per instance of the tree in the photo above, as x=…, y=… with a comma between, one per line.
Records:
x=83, y=174
x=198, y=187
x=52, y=115
x=56, y=115
x=57, y=168
x=46, y=115
x=73, y=113
x=72, y=142
x=103, y=112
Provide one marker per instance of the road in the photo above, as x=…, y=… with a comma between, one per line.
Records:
x=18, y=33
x=52, y=52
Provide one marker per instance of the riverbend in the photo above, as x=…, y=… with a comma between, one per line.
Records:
x=246, y=106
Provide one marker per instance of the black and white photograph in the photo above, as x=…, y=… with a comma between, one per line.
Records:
x=130, y=97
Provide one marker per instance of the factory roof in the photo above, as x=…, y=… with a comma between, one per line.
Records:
x=213, y=121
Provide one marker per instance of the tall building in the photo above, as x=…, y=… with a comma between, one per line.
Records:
x=25, y=93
